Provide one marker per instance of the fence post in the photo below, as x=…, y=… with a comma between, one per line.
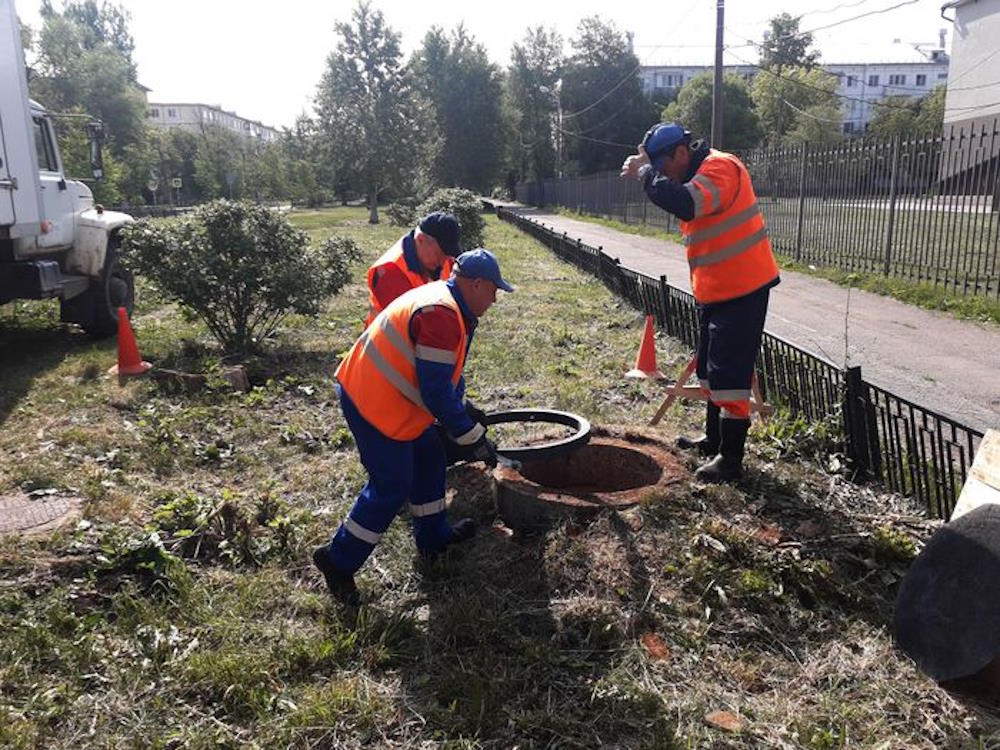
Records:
x=856, y=409
x=664, y=302
x=893, y=181
x=802, y=204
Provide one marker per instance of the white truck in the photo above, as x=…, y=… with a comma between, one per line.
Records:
x=54, y=241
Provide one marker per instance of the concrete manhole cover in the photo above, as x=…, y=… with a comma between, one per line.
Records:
x=37, y=513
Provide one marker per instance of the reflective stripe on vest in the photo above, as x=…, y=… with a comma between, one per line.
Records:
x=379, y=372
x=728, y=249
x=393, y=256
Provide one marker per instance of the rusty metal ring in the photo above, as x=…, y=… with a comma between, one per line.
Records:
x=543, y=451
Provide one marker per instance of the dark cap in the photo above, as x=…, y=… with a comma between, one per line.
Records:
x=481, y=264
x=443, y=227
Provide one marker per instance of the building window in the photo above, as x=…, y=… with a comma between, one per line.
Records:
x=153, y=113
x=942, y=76
x=848, y=127
x=873, y=80
x=921, y=79
x=172, y=113
x=897, y=79
x=850, y=82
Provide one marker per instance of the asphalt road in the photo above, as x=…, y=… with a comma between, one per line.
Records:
x=933, y=359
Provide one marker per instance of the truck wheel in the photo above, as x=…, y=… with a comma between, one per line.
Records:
x=115, y=288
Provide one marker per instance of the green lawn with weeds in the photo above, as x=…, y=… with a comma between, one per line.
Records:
x=182, y=610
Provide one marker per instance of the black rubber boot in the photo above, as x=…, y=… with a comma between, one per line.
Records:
x=341, y=585
x=728, y=465
x=708, y=444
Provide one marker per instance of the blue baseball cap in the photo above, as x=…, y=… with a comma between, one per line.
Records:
x=443, y=227
x=480, y=264
x=662, y=139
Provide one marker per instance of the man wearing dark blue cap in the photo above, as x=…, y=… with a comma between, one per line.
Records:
x=425, y=254
x=401, y=389
x=732, y=272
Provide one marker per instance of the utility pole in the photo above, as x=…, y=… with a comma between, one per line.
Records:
x=717, y=86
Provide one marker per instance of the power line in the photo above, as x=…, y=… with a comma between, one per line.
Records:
x=595, y=140
x=810, y=115
x=635, y=70
x=975, y=65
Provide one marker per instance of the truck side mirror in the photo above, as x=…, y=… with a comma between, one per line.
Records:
x=96, y=132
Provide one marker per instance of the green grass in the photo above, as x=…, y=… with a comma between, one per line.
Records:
x=216, y=632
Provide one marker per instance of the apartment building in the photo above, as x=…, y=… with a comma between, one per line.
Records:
x=195, y=117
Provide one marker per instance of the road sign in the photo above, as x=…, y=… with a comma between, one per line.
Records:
x=175, y=182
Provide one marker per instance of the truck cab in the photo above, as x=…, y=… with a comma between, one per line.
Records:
x=54, y=241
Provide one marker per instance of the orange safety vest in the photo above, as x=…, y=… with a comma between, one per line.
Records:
x=728, y=249
x=394, y=255
x=379, y=373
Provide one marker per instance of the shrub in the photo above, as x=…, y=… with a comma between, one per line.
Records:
x=403, y=213
x=240, y=268
x=467, y=209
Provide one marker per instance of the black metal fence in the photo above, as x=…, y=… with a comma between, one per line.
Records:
x=923, y=209
x=912, y=449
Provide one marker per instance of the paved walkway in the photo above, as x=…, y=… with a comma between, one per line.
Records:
x=928, y=357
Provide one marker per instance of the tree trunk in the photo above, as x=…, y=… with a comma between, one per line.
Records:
x=373, y=205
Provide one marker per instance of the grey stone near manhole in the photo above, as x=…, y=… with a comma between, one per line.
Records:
x=947, y=616
x=26, y=515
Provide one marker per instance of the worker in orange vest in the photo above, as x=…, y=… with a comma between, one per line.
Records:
x=402, y=374
x=732, y=272
x=422, y=255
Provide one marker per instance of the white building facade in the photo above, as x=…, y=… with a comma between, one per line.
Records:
x=901, y=70
x=974, y=87
x=196, y=117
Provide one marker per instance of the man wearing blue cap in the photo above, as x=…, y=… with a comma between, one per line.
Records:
x=404, y=373
x=732, y=272
x=422, y=255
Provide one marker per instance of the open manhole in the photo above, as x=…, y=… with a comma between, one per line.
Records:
x=612, y=471
x=36, y=513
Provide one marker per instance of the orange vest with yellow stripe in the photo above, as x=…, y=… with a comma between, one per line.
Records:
x=395, y=256
x=728, y=249
x=379, y=373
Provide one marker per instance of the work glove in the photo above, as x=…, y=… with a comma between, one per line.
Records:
x=475, y=413
x=484, y=450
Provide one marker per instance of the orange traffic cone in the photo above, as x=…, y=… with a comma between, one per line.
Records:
x=129, y=361
x=645, y=362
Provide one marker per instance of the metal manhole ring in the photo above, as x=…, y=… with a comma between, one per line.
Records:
x=543, y=451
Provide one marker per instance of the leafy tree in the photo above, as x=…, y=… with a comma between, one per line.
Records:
x=907, y=116
x=605, y=110
x=693, y=108
x=83, y=63
x=535, y=66
x=372, y=119
x=800, y=100
x=454, y=73
x=785, y=46
x=240, y=268
x=107, y=24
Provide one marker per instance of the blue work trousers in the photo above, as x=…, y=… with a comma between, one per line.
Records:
x=728, y=342
x=398, y=471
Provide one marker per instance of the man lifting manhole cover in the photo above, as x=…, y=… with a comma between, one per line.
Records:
x=402, y=374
